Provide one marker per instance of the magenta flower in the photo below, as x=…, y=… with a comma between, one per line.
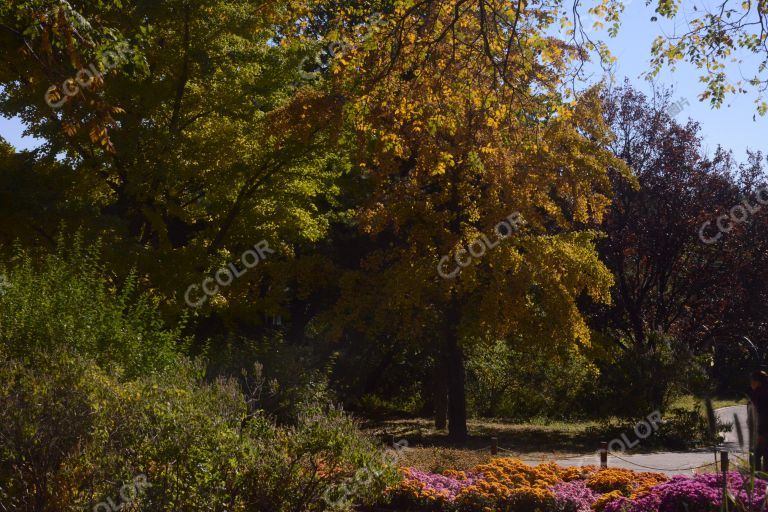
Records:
x=702, y=493
x=446, y=486
x=573, y=496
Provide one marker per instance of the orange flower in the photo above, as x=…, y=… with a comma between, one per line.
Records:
x=608, y=480
x=510, y=484
x=603, y=500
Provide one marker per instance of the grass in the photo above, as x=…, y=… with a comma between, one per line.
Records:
x=534, y=437
x=539, y=439
x=689, y=402
x=532, y=442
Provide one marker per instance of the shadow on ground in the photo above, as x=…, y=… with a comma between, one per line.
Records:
x=529, y=438
x=519, y=438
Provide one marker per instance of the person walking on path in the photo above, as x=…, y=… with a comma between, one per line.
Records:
x=758, y=395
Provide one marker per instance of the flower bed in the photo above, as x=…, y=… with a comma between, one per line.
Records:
x=512, y=486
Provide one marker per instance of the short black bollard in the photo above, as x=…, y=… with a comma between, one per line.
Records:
x=604, y=455
x=494, y=445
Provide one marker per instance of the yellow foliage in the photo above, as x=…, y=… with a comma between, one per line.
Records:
x=454, y=137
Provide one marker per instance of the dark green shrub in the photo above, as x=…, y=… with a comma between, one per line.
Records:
x=684, y=428
x=636, y=380
x=47, y=414
x=520, y=385
x=66, y=302
x=678, y=428
x=321, y=463
x=277, y=376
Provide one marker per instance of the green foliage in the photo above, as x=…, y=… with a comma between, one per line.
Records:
x=635, y=380
x=276, y=376
x=715, y=40
x=67, y=301
x=679, y=429
x=201, y=146
x=510, y=383
x=685, y=429
x=46, y=411
x=73, y=434
x=321, y=463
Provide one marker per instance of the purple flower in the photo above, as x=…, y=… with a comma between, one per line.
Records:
x=701, y=493
x=573, y=496
x=446, y=486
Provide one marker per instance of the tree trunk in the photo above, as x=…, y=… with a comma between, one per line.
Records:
x=440, y=388
x=457, y=400
x=452, y=352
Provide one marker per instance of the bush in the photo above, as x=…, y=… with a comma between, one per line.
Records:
x=74, y=436
x=66, y=303
x=639, y=379
x=679, y=428
x=46, y=414
x=504, y=382
x=282, y=376
x=683, y=429
x=321, y=463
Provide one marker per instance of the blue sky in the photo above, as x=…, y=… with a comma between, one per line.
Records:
x=11, y=130
x=731, y=126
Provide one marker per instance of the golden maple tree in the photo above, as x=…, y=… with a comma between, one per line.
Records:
x=461, y=116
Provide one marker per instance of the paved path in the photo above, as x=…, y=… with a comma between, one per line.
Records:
x=735, y=439
x=671, y=463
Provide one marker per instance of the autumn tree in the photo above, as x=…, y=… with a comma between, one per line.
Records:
x=738, y=334
x=373, y=144
x=667, y=279
x=461, y=120
x=726, y=41
x=686, y=273
x=201, y=141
